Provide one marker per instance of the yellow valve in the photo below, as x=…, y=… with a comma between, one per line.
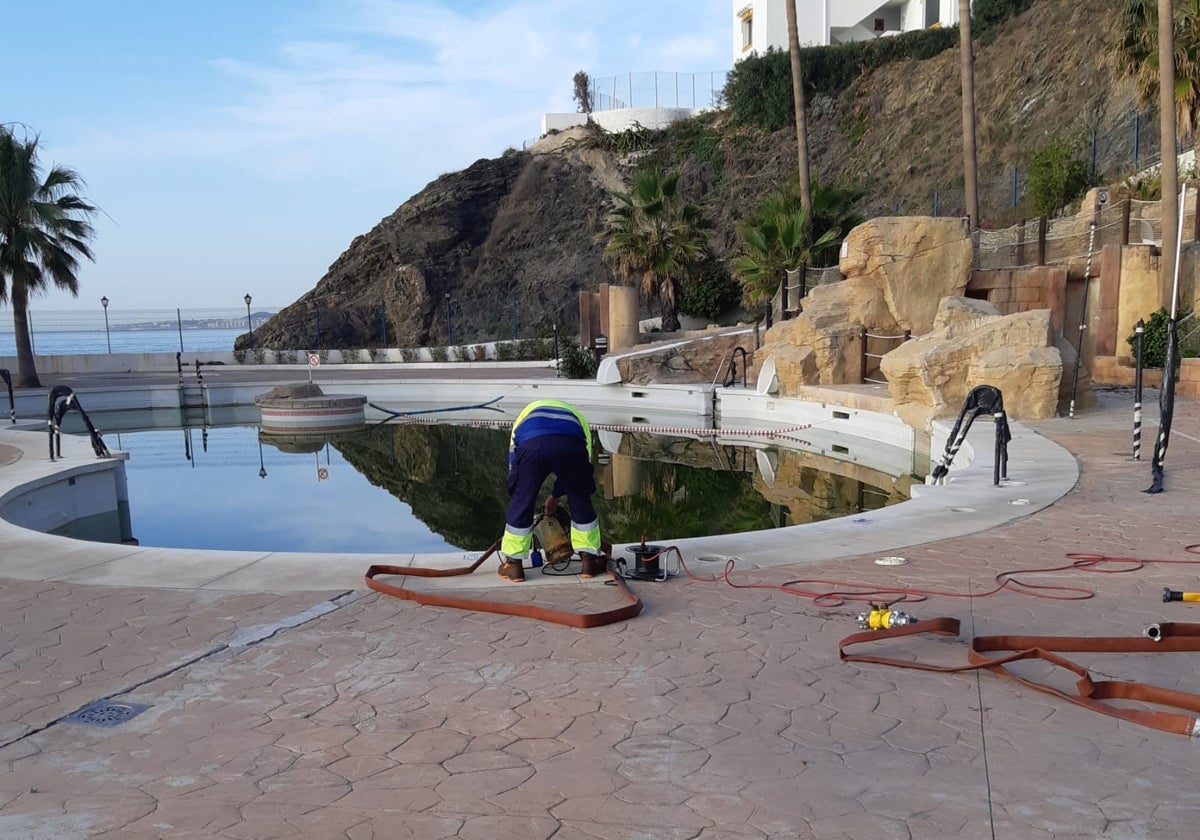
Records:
x=884, y=618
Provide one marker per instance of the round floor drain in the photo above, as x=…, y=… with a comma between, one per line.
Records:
x=890, y=561
x=1019, y=502
x=107, y=713
x=962, y=510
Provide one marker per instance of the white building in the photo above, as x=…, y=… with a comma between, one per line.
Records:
x=761, y=24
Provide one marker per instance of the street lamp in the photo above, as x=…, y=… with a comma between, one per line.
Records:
x=249, y=323
x=107, y=337
x=449, y=340
x=262, y=468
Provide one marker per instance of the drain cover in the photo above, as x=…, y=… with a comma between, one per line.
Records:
x=107, y=713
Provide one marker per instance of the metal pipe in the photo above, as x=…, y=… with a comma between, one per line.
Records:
x=1138, y=331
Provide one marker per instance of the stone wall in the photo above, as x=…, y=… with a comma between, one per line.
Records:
x=1023, y=290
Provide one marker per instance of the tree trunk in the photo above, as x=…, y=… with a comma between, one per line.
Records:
x=26, y=372
x=970, y=166
x=801, y=118
x=1170, y=167
x=666, y=305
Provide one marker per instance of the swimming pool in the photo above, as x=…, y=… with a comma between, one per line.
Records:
x=430, y=488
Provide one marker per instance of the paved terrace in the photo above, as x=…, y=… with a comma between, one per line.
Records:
x=719, y=713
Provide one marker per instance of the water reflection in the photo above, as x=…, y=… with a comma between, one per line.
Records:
x=454, y=478
x=441, y=487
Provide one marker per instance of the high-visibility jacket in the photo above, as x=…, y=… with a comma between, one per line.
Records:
x=548, y=417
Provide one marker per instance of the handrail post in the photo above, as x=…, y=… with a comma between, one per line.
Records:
x=998, y=417
x=862, y=375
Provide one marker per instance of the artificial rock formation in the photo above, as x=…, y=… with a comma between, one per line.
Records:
x=930, y=376
x=897, y=270
x=908, y=275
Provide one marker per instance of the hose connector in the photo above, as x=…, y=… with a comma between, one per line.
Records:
x=1153, y=632
x=884, y=618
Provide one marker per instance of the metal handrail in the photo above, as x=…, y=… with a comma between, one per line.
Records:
x=731, y=373
x=12, y=405
x=61, y=400
x=983, y=399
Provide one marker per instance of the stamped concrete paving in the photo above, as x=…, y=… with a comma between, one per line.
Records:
x=721, y=712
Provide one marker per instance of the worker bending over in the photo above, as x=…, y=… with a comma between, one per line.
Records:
x=550, y=436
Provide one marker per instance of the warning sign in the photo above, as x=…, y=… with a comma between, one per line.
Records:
x=314, y=360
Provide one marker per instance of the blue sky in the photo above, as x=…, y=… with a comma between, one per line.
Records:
x=238, y=146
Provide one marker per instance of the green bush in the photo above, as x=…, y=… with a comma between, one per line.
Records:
x=576, y=363
x=1154, y=340
x=987, y=15
x=1057, y=175
x=759, y=87
x=710, y=294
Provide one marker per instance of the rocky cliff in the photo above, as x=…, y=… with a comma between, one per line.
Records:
x=512, y=240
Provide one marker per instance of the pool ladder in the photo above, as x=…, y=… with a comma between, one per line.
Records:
x=193, y=398
x=61, y=400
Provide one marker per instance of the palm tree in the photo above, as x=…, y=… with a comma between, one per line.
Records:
x=44, y=228
x=1169, y=74
x=970, y=163
x=798, y=104
x=655, y=237
x=833, y=208
x=775, y=240
x=1137, y=57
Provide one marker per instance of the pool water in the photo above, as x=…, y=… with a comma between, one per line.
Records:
x=427, y=488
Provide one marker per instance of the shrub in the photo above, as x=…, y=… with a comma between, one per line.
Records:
x=439, y=353
x=260, y=355
x=379, y=354
x=534, y=349
x=759, y=87
x=1154, y=340
x=710, y=294
x=1057, y=175
x=576, y=363
x=239, y=355
x=506, y=351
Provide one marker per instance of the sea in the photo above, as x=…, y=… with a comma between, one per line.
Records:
x=76, y=342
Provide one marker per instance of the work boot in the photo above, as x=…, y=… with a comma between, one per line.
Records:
x=511, y=569
x=593, y=564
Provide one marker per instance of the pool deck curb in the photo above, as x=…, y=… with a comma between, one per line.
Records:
x=1039, y=473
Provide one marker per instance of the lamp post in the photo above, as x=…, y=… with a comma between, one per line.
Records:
x=262, y=468
x=107, y=337
x=449, y=340
x=249, y=323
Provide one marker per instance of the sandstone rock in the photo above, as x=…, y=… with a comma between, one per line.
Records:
x=699, y=360
x=931, y=376
x=795, y=365
x=915, y=260
x=954, y=310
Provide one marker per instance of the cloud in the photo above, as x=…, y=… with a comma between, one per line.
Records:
x=400, y=82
